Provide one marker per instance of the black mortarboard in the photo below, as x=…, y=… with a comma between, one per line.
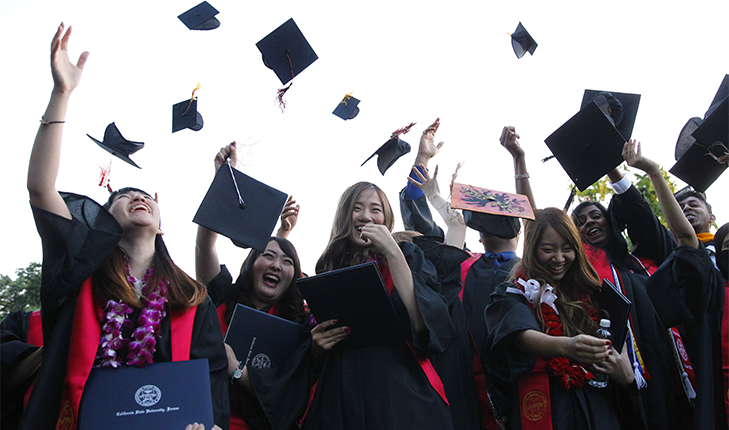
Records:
x=347, y=108
x=685, y=138
x=201, y=17
x=240, y=208
x=625, y=119
x=286, y=51
x=721, y=94
x=185, y=115
x=587, y=146
x=364, y=306
x=115, y=143
x=388, y=153
x=503, y=227
x=522, y=42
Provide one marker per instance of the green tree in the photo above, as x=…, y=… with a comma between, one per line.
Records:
x=23, y=293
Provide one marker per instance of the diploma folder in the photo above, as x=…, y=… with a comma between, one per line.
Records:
x=167, y=395
x=617, y=306
x=262, y=340
x=357, y=297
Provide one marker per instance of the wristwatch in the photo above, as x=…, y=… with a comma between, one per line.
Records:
x=237, y=373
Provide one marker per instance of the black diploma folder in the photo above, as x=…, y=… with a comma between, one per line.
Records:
x=167, y=395
x=357, y=297
x=617, y=307
x=261, y=340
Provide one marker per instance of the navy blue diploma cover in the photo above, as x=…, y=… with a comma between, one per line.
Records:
x=617, y=307
x=357, y=297
x=161, y=395
x=262, y=340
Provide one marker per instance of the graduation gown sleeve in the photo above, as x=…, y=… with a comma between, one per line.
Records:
x=416, y=216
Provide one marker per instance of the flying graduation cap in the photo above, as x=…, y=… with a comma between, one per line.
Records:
x=240, y=208
x=287, y=52
x=620, y=108
x=201, y=17
x=393, y=149
x=702, y=150
x=347, y=108
x=522, y=42
x=185, y=114
x=117, y=145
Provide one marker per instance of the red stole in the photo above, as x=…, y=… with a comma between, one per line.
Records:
x=534, y=403
x=35, y=338
x=84, y=344
x=423, y=361
x=465, y=267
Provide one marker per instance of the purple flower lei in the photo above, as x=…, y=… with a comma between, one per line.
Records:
x=144, y=339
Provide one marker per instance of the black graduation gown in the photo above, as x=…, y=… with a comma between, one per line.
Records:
x=240, y=400
x=576, y=409
x=380, y=387
x=688, y=292
x=72, y=251
x=455, y=364
x=664, y=405
x=13, y=349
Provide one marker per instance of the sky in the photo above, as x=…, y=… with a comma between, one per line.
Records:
x=407, y=61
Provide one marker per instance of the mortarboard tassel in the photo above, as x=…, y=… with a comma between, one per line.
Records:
x=192, y=97
x=544, y=160
x=282, y=91
x=570, y=199
x=104, y=177
x=722, y=159
x=403, y=130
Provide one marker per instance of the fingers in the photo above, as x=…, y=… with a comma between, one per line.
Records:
x=432, y=128
x=57, y=37
x=82, y=60
x=435, y=172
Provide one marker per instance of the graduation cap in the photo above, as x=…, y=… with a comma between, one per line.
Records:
x=702, y=150
x=185, y=114
x=201, y=17
x=522, y=41
x=623, y=107
x=240, y=208
x=494, y=213
x=115, y=143
x=587, y=146
x=347, y=108
x=286, y=51
x=393, y=149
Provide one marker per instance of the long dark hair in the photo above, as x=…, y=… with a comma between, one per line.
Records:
x=339, y=252
x=580, y=286
x=616, y=246
x=291, y=303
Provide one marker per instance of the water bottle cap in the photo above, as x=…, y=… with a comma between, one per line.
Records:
x=604, y=323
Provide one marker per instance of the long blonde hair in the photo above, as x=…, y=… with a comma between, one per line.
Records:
x=339, y=251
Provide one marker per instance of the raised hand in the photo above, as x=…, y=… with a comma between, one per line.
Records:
x=426, y=183
x=289, y=217
x=634, y=157
x=428, y=149
x=509, y=141
x=229, y=154
x=66, y=76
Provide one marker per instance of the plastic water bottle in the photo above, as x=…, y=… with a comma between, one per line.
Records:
x=601, y=380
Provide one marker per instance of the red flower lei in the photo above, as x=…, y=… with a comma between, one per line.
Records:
x=569, y=375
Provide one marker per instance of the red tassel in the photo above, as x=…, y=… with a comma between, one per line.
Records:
x=280, y=97
x=403, y=130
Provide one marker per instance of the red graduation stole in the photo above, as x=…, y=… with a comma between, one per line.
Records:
x=423, y=361
x=465, y=267
x=85, y=336
x=35, y=338
x=535, y=406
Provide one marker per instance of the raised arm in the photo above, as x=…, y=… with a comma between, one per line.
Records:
x=207, y=264
x=289, y=216
x=521, y=176
x=677, y=222
x=46, y=154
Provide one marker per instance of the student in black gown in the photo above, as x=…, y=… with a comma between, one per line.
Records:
x=540, y=344
x=267, y=282
x=688, y=292
x=106, y=261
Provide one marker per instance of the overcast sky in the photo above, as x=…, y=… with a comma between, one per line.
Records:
x=407, y=61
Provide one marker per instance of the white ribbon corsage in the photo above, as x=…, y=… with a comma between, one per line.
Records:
x=531, y=290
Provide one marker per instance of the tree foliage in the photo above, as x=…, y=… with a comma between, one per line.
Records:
x=23, y=293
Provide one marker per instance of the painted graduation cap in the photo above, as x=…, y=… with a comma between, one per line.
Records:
x=185, y=115
x=286, y=51
x=347, y=108
x=623, y=107
x=491, y=212
x=587, y=146
x=201, y=17
x=115, y=143
x=702, y=150
x=522, y=41
x=240, y=208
